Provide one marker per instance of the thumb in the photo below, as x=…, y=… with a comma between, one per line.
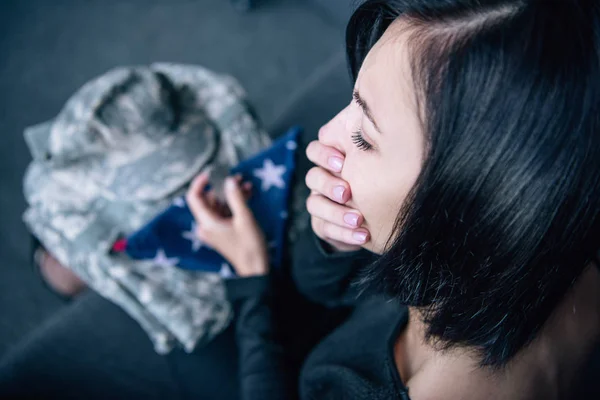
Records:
x=235, y=198
x=195, y=198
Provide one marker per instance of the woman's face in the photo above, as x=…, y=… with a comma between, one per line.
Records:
x=380, y=134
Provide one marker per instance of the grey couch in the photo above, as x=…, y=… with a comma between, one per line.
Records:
x=288, y=54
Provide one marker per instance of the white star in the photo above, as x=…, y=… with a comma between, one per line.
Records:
x=161, y=259
x=291, y=145
x=271, y=175
x=179, y=202
x=192, y=237
x=225, y=271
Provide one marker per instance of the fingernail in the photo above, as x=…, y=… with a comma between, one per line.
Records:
x=336, y=163
x=351, y=219
x=229, y=183
x=360, y=237
x=338, y=193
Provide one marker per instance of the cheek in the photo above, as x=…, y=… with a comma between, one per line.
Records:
x=378, y=193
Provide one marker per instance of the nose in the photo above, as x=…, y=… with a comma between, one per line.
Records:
x=337, y=131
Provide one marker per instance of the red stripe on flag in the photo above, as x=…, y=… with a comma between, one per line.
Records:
x=120, y=246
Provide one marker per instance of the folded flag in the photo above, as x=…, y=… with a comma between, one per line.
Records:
x=170, y=240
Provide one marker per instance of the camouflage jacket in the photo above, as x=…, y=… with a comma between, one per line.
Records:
x=123, y=147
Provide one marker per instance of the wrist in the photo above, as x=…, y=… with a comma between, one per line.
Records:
x=253, y=267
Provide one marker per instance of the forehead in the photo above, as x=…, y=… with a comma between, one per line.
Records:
x=392, y=45
x=385, y=79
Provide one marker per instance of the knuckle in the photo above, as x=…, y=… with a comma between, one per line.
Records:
x=311, y=149
x=311, y=177
x=313, y=152
x=201, y=232
x=347, y=236
x=321, y=153
x=310, y=203
x=338, y=214
x=329, y=231
x=208, y=226
x=321, y=178
x=316, y=226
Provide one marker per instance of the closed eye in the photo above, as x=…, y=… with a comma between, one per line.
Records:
x=360, y=142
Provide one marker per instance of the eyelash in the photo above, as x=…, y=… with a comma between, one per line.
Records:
x=360, y=142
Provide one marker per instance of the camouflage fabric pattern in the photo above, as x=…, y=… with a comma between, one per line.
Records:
x=123, y=147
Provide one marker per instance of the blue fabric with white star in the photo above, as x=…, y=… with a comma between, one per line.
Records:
x=169, y=238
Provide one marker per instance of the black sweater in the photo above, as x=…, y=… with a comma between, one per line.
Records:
x=355, y=361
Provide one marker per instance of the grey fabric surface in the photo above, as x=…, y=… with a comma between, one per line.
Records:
x=338, y=11
x=108, y=367
x=49, y=49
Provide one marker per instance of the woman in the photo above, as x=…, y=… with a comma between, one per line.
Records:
x=469, y=159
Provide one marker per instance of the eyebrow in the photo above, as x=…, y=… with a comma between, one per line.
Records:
x=365, y=107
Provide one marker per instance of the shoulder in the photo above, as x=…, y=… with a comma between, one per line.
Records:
x=354, y=360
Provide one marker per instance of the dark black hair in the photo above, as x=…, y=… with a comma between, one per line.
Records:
x=505, y=214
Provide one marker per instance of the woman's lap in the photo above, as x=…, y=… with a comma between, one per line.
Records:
x=92, y=349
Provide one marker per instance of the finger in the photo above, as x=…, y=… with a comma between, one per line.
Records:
x=325, y=209
x=211, y=199
x=216, y=204
x=224, y=209
x=199, y=184
x=321, y=181
x=197, y=202
x=329, y=231
x=325, y=156
x=247, y=190
x=221, y=208
x=246, y=186
x=343, y=246
x=235, y=198
x=203, y=235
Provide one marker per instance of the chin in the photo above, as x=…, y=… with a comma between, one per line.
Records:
x=372, y=247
